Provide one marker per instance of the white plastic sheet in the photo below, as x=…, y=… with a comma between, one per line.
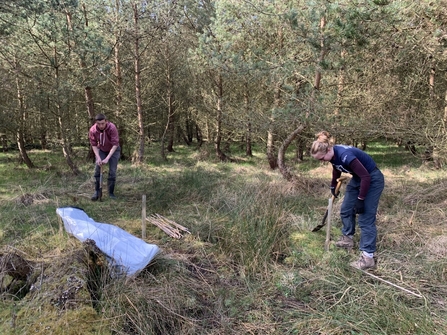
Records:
x=126, y=251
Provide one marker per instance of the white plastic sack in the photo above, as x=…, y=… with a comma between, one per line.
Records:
x=130, y=253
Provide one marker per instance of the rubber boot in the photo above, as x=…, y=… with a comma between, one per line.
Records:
x=96, y=195
x=111, y=187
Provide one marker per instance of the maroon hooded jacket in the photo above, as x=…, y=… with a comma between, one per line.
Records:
x=105, y=139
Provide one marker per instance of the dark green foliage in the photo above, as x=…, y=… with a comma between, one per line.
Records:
x=381, y=2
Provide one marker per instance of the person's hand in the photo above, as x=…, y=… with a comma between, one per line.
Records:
x=333, y=192
x=98, y=161
x=105, y=160
x=359, y=206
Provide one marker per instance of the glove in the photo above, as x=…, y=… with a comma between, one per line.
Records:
x=359, y=207
x=333, y=192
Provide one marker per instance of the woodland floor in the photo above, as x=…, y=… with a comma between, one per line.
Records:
x=218, y=280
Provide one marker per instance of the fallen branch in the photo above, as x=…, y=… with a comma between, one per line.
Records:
x=392, y=284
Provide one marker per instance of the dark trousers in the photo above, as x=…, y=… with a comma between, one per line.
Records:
x=113, y=164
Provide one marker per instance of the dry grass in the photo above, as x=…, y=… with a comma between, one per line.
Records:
x=252, y=264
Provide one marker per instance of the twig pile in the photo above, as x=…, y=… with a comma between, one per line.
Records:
x=170, y=227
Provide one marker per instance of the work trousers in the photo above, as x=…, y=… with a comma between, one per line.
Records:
x=366, y=220
x=113, y=164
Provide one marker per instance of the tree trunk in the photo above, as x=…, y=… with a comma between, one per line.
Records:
x=88, y=95
x=340, y=86
x=43, y=127
x=4, y=143
x=248, y=149
x=91, y=113
x=182, y=134
x=271, y=154
x=170, y=101
x=23, y=154
x=189, y=124
x=66, y=146
x=140, y=153
x=300, y=148
x=445, y=101
x=89, y=103
x=320, y=60
x=218, y=139
x=208, y=133
x=301, y=140
x=21, y=124
x=171, y=130
x=317, y=81
x=163, y=142
x=119, y=84
x=285, y=171
x=431, y=80
x=199, y=136
x=248, y=146
x=438, y=156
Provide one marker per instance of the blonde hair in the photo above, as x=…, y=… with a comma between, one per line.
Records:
x=322, y=143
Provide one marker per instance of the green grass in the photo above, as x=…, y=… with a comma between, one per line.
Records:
x=250, y=266
x=391, y=156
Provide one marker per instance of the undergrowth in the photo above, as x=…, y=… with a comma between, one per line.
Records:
x=251, y=264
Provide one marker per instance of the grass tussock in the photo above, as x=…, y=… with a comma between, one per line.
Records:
x=250, y=266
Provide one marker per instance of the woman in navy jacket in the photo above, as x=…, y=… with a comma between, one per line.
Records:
x=361, y=197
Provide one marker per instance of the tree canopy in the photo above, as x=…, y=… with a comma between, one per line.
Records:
x=222, y=71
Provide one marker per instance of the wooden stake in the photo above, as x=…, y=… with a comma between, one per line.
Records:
x=143, y=217
x=61, y=225
x=328, y=225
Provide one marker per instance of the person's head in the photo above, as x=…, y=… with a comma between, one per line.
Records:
x=322, y=147
x=101, y=121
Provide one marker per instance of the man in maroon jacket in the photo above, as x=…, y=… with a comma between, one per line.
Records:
x=104, y=140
